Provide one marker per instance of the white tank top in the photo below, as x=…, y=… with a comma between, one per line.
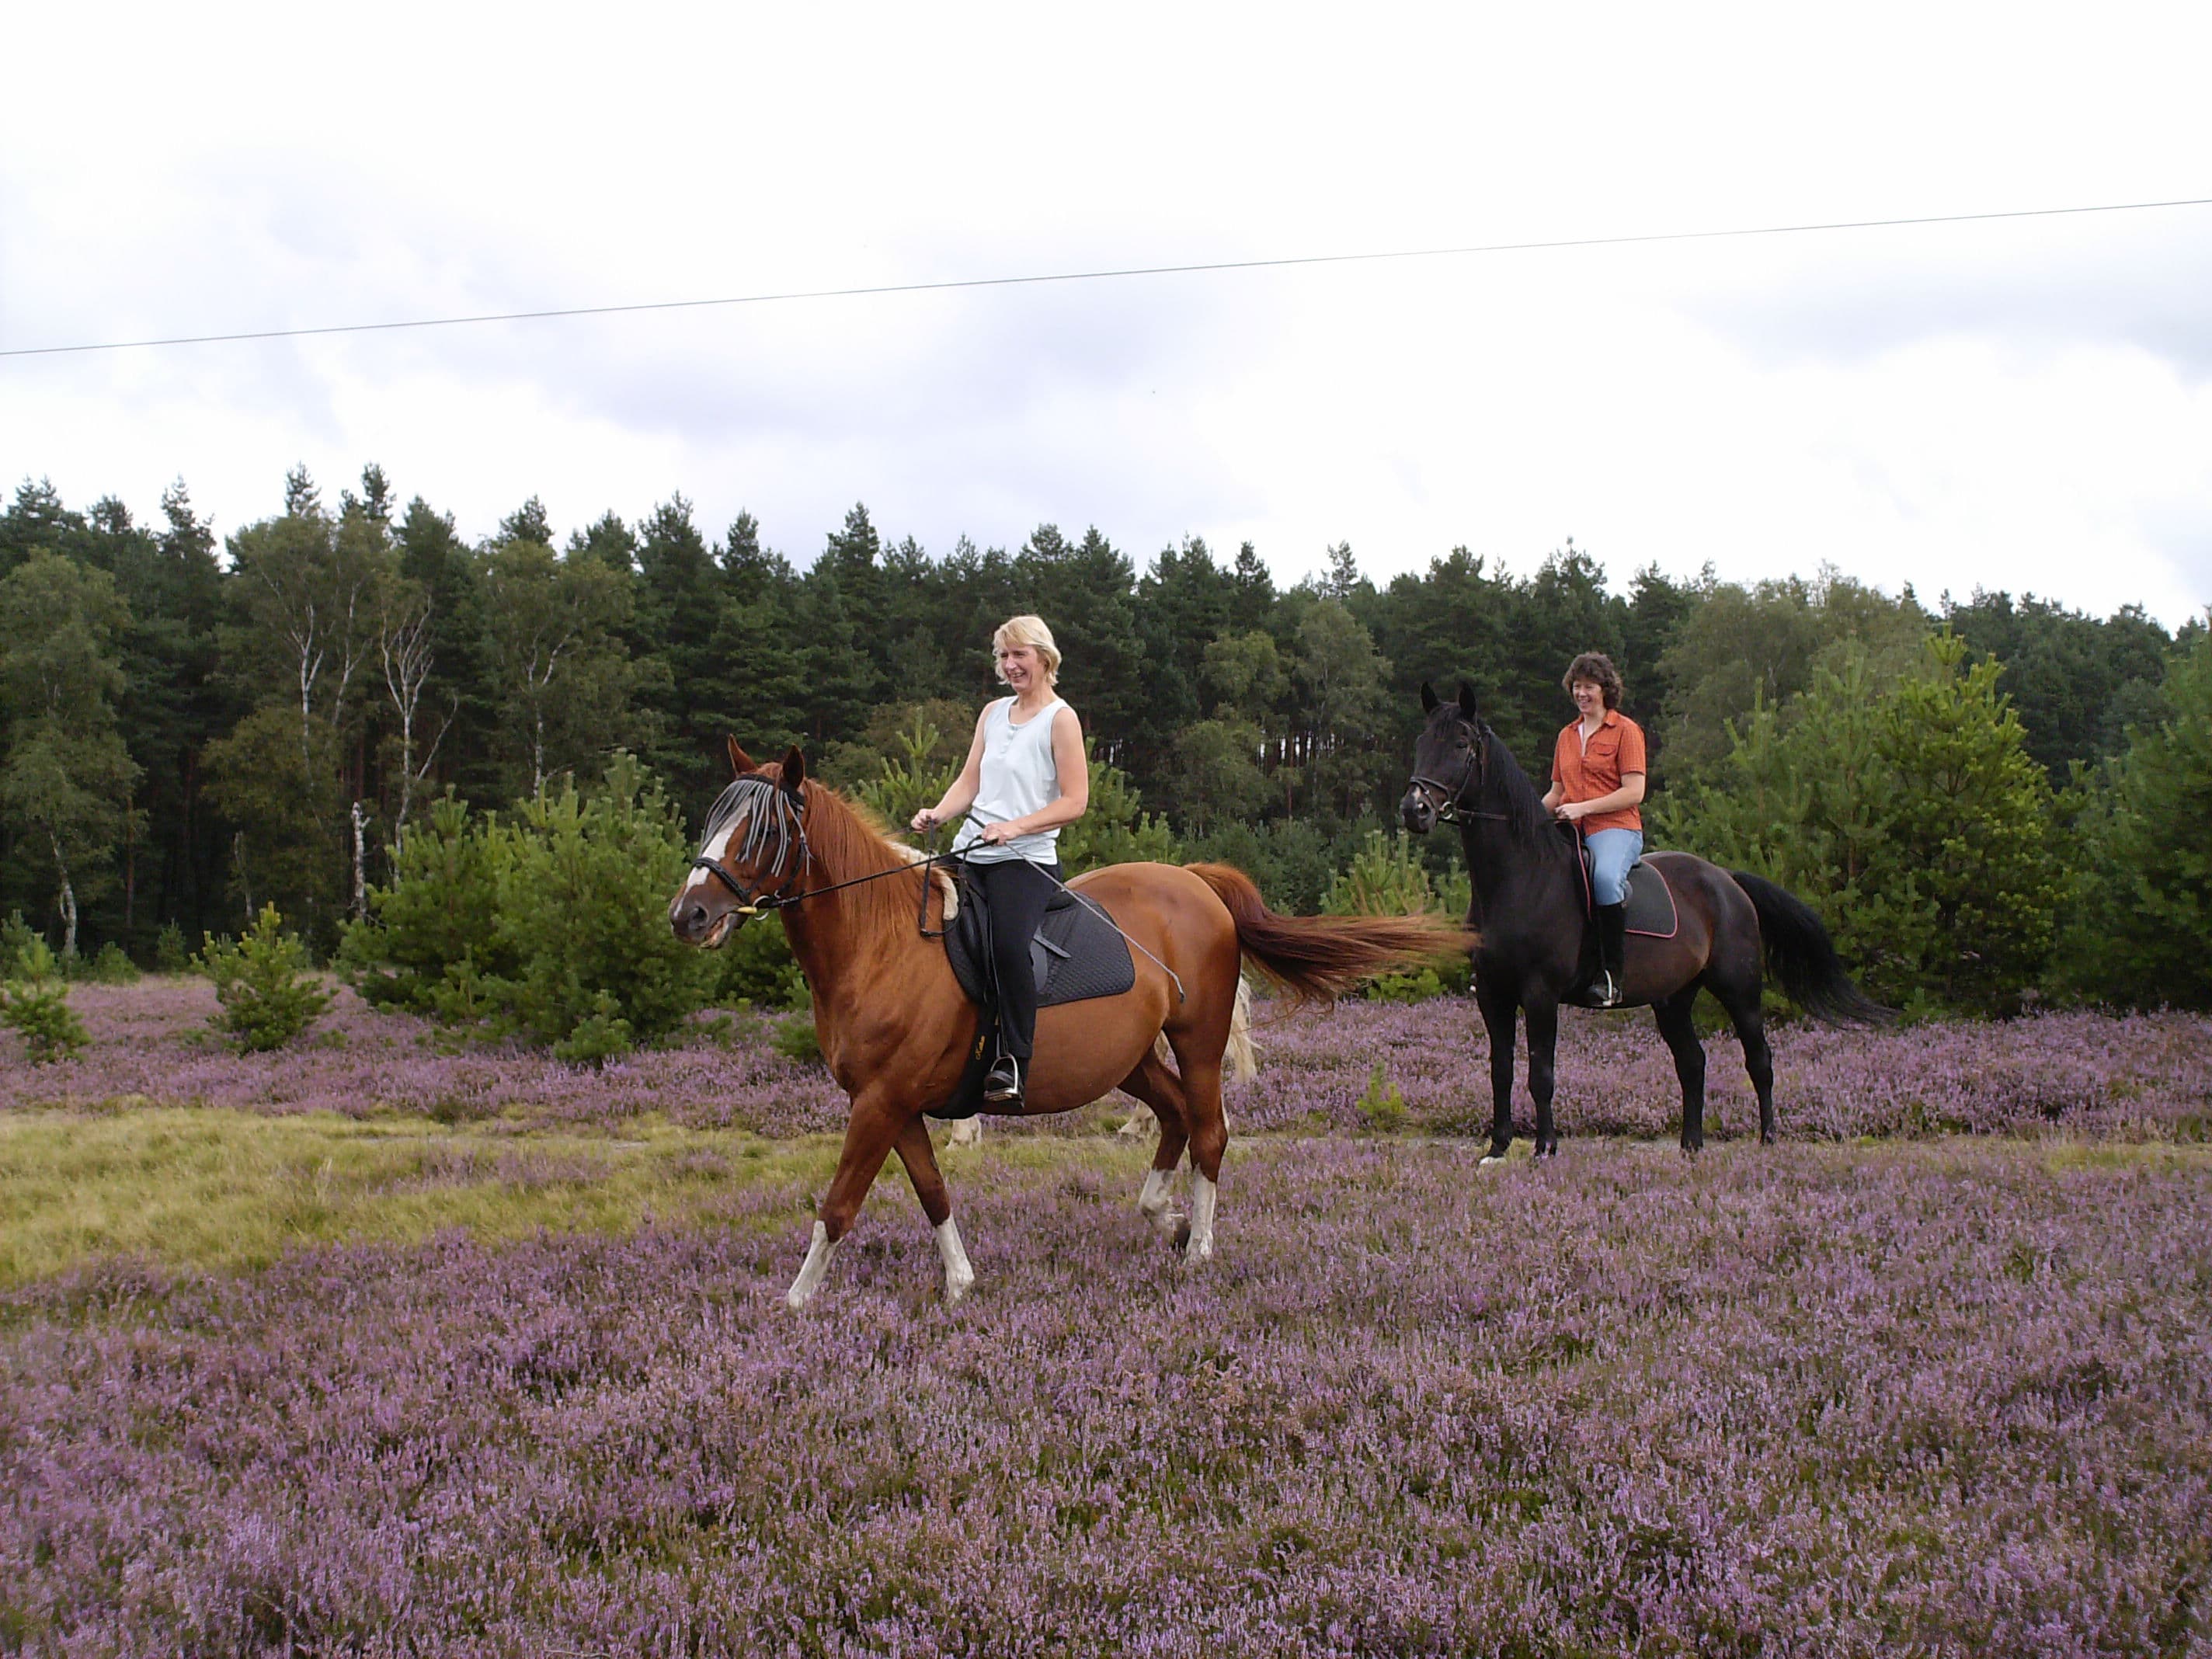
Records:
x=1019, y=777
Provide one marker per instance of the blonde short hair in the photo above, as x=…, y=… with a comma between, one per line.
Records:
x=1031, y=631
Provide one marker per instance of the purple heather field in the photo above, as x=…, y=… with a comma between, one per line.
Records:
x=1941, y=1394
x=2144, y=1078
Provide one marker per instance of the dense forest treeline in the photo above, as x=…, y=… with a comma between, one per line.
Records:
x=191, y=731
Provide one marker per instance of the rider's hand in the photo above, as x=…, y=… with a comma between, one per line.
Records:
x=926, y=818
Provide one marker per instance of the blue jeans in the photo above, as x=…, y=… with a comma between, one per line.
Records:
x=1612, y=855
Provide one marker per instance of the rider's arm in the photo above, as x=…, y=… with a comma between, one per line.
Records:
x=1631, y=794
x=962, y=795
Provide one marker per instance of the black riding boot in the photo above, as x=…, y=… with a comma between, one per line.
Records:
x=1612, y=955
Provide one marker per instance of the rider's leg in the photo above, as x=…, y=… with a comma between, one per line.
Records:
x=1613, y=854
x=1017, y=893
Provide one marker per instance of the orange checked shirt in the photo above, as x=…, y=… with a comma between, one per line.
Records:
x=1584, y=772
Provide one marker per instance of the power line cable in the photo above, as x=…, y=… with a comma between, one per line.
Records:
x=1102, y=276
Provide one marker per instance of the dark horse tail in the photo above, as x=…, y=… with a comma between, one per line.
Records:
x=1800, y=954
x=1320, y=957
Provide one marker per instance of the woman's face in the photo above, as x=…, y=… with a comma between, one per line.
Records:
x=1018, y=667
x=1589, y=697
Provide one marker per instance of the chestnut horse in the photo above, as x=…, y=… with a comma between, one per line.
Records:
x=1528, y=903
x=896, y=1030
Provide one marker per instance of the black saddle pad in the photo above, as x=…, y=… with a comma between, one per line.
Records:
x=1076, y=953
x=1651, y=901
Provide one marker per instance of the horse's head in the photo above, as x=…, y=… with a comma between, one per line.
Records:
x=754, y=854
x=1447, y=761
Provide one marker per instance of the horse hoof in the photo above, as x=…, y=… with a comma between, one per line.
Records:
x=1549, y=1149
x=1489, y=1159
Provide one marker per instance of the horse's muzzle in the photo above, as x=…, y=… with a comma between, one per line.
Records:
x=690, y=919
x=1415, y=809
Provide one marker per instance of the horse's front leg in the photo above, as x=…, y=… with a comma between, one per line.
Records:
x=1543, y=1018
x=913, y=1151
x=870, y=1135
x=1499, y=1010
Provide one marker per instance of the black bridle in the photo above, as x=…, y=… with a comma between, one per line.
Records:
x=779, y=818
x=1444, y=799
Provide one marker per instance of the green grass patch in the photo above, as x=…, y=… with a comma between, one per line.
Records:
x=232, y=1190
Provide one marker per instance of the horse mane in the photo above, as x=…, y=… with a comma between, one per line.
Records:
x=1523, y=802
x=849, y=840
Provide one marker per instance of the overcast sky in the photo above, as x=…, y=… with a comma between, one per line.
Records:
x=2024, y=404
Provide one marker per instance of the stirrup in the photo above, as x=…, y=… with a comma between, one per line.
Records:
x=1605, y=990
x=1003, y=1082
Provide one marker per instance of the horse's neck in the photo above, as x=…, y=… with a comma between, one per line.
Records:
x=1508, y=873
x=847, y=939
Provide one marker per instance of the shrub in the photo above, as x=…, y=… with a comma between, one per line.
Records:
x=433, y=935
x=170, y=954
x=1386, y=878
x=17, y=937
x=2142, y=933
x=583, y=888
x=261, y=982
x=34, y=1002
x=551, y=925
x=1292, y=861
x=754, y=966
x=1910, y=816
x=109, y=965
x=1382, y=1104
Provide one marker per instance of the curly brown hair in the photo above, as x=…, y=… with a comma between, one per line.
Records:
x=1596, y=668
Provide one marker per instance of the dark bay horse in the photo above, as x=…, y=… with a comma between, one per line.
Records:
x=1528, y=911
x=896, y=1030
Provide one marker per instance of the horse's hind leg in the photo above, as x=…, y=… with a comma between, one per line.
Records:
x=1159, y=1087
x=1750, y=1023
x=1680, y=1031
x=1209, y=1139
x=913, y=1151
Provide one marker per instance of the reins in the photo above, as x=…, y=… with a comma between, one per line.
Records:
x=751, y=904
x=789, y=821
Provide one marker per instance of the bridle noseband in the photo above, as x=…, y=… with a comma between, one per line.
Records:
x=749, y=902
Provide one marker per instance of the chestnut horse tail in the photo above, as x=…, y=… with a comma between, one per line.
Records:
x=1800, y=953
x=1318, y=958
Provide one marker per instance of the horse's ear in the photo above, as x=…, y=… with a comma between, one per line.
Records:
x=740, y=762
x=1467, y=700
x=1429, y=698
x=794, y=768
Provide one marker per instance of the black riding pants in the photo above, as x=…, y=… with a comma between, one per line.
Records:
x=1017, y=892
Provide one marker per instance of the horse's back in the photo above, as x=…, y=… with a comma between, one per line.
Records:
x=1709, y=900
